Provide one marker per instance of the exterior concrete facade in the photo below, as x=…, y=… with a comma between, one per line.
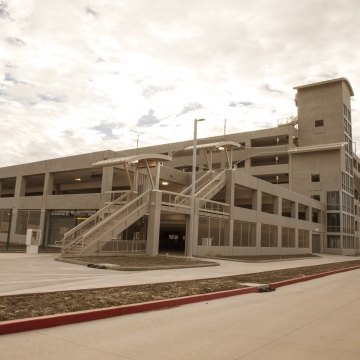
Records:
x=285, y=190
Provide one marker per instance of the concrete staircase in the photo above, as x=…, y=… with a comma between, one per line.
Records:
x=88, y=237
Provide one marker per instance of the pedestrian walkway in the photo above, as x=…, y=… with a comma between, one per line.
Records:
x=31, y=273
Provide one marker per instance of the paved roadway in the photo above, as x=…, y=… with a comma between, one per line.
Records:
x=29, y=273
x=314, y=320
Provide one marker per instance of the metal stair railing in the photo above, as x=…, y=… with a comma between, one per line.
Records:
x=121, y=215
x=217, y=182
x=111, y=196
x=175, y=200
x=213, y=208
x=201, y=181
x=76, y=232
x=183, y=200
x=206, y=207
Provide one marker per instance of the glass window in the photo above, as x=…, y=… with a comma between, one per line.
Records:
x=319, y=123
x=303, y=238
x=269, y=234
x=333, y=200
x=315, y=177
x=27, y=219
x=244, y=234
x=333, y=222
x=5, y=220
x=333, y=241
x=288, y=237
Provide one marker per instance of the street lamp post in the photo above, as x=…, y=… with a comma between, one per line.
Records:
x=193, y=179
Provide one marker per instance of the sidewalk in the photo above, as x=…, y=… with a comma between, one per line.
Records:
x=31, y=273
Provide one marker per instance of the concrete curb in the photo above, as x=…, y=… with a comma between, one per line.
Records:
x=265, y=261
x=311, y=277
x=14, y=326
x=107, y=266
x=42, y=322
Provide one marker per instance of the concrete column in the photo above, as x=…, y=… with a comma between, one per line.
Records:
x=196, y=228
x=13, y=224
x=106, y=184
x=296, y=238
x=48, y=184
x=42, y=225
x=230, y=199
x=257, y=200
x=279, y=233
x=188, y=234
x=290, y=172
x=153, y=232
x=278, y=206
x=294, y=210
x=20, y=187
x=258, y=238
x=247, y=165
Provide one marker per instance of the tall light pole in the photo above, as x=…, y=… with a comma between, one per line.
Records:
x=137, y=143
x=190, y=241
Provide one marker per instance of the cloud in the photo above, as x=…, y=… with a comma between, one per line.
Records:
x=92, y=12
x=240, y=103
x=152, y=90
x=105, y=130
x=68, y=133
x=54, y=98
x=190, y=107
x=148, y=120
x=15, y=41
x=268, y=88
x=10, y=78
x=3, y=10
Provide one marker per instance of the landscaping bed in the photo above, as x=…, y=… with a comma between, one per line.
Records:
x=40, y=304
x=139, y=262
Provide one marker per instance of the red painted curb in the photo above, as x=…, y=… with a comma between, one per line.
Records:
x=14, y=326
x=310, y=277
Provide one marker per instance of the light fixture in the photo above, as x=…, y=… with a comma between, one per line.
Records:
x=165, y=183
x=77, y=179
x=221, y=148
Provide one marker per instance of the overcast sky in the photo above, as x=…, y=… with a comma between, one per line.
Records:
x=78, y=76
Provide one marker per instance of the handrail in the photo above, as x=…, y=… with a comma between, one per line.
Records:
x=116, y=213
x=197, y=182
x=183, y=200
x=178, y=199
x=92, y=217
x=214, y=204
x=113, y=194
x=106, y=220
x=205, y=206
x=211, y=182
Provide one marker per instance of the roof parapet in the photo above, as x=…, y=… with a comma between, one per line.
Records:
x=347, y=82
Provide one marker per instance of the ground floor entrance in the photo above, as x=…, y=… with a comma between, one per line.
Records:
x=316, y=243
